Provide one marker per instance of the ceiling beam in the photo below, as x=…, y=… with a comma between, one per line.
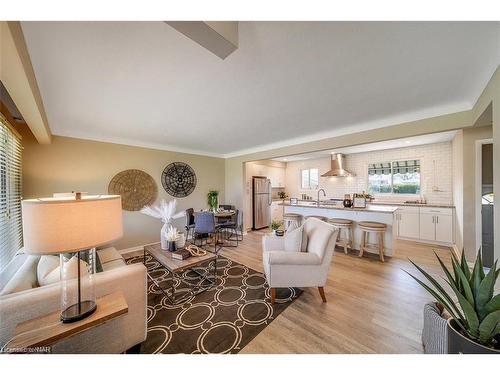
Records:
x=18, y=77
x=219, y=37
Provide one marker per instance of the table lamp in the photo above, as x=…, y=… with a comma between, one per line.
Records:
x=72, y=227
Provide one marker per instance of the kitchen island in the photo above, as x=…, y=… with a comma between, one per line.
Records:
x=372, y=212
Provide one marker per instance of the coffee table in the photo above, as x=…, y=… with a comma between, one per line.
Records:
x=177, y=268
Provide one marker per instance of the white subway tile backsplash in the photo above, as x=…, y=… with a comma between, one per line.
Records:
x=436, y=172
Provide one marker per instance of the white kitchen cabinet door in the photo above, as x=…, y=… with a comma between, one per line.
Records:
x=444, y=228
x=427, y=227
x=409, y=224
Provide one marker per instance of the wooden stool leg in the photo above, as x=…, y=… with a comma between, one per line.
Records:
x=381, y=246
x=363, y=241
x=322, y=293
x=273, y=295
x=346, y=239
x=351, y=238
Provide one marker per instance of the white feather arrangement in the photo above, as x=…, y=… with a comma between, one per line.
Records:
x=165, y=211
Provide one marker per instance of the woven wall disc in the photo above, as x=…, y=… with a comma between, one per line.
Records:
x=178, y=179
x=137, y=188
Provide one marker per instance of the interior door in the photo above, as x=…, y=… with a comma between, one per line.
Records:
x=427, y=227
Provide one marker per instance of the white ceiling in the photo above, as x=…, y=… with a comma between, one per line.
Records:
x=143, y=83
x=384, y=145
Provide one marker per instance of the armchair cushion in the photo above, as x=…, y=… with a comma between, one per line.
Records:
x=318, y=234
x=293, y=239
x=291, y=258
x=273, y=243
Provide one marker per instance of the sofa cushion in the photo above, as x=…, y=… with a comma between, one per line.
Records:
x=45, y=268
x=293, y=239
x=24, y=278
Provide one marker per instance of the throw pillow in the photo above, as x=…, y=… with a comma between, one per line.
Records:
x=293, y=239
x=45, y=270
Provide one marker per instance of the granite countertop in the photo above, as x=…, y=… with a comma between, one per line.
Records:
x=368, y=208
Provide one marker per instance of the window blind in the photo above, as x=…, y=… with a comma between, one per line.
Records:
x=11, y=231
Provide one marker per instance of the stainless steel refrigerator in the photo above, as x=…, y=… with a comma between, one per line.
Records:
x=261, y=202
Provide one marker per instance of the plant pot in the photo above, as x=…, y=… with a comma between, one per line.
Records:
x=459, y=344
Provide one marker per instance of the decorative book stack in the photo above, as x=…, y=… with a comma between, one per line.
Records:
x=181, y=254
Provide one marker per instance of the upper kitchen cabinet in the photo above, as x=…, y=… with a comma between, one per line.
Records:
x=277, y=176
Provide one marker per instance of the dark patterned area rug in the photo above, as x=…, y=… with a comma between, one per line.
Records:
x=222, y=319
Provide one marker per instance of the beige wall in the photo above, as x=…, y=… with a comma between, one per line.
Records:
x=470, y=136
x=74, y=164
x=491, y=96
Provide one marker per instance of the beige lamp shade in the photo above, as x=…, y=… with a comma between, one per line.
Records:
x=60, y=225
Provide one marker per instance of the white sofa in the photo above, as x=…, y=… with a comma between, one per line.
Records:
x=307, y=268
x=115, y=336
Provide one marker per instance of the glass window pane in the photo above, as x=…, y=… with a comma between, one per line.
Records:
x=406, y=177
x=379, y=179
x=313, y=178
x=305, y=179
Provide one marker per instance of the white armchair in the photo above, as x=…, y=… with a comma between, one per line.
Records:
x=300, y=269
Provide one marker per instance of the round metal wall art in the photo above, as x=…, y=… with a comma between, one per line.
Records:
x=178, y=179
x=136, y=187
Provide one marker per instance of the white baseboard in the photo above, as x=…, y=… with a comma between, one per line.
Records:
x=135, y=248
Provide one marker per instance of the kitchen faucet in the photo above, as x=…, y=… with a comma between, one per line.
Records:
x=324, y=194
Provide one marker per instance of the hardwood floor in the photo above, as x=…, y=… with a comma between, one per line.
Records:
x=372, y=307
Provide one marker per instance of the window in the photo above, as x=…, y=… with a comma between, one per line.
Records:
x=11, y=233
x=310, y=178
x=396, y=177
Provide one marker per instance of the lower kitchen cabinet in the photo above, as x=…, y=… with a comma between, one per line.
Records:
x=427, y=227
x=444, y=228
x=407, y=222
x=276, y=212
x=426, y=224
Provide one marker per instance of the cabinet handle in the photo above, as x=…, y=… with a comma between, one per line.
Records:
x=433, y=219
x=437, y=219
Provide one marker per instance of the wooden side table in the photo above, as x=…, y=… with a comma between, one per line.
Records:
x=45, y=331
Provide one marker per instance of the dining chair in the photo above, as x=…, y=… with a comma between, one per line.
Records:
x=189, y=222
x=204, y=226
x=233, y=226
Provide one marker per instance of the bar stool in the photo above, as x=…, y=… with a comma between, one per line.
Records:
x=290, y=218
x=345, y=224
x=322, y=218
x=379, y=229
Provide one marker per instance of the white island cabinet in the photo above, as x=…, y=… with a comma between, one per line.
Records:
x=381, y=214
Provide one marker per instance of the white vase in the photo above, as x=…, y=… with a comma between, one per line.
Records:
x=163, y=237
x=181, y=241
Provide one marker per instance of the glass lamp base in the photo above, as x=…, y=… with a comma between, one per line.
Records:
x=75, y=312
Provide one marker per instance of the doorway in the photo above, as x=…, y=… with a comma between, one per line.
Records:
x=487, y=204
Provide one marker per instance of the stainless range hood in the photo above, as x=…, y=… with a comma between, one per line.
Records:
x=338, y=170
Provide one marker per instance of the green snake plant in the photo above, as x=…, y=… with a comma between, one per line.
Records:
x=477, y=310
x=213, y=199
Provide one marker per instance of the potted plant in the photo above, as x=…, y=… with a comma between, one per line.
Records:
x=474, y=326
x=172, y=237
x=213, y=200
x=282, y=195
x=275, y=225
